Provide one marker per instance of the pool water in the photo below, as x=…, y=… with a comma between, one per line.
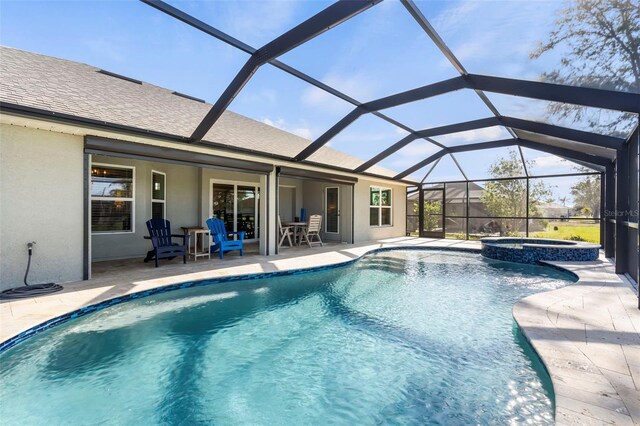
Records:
x=401, y=337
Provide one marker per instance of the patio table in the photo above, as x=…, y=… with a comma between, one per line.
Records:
x=296, y=226
x=197, y=231
x=188, y=229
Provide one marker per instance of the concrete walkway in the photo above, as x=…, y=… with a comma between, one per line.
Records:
x=587, y=334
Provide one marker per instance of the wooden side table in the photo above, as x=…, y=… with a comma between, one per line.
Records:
x=188, y=229
x=199, y=236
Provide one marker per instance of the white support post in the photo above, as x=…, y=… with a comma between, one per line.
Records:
x=272, y=211
x=268, y=237
x=262, y=214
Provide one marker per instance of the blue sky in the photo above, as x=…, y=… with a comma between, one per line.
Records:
x=377, y=53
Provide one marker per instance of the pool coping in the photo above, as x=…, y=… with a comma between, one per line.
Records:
x=85, y=310
x=570, y=370
x=590, y=348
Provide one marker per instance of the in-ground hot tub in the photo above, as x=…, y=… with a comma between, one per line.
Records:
x=533, y=250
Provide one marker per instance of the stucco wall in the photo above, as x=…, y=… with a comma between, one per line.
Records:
x=182, y=207
x=346, y=209
x=314, y=203
x=187, y=203
x=41, y=199
x=312, y=195
x=287, y=203
x=299, y=194
x=365, y=232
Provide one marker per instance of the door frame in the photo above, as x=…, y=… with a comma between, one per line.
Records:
x=431, y=234
x=236, y=183
x=326, y=216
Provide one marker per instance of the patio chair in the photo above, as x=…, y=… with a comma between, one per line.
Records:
x=221, y=239
x=163, y=245
x=312, y=231
x=285, y=232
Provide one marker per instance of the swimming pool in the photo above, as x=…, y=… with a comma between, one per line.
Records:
x=406, y=337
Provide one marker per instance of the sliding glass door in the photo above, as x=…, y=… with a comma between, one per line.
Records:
x=247, y=211
x=237, y=204
x=222, y=204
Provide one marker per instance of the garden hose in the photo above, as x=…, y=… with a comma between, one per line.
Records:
x=32, y=290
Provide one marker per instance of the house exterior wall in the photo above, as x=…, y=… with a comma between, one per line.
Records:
x=188, y=190
x=188, y=200
x=287, y=203
x=314, y=199
x=181, y=207
x=346, y=212
x=41, y=199
x=298, y=187
x=365, y=232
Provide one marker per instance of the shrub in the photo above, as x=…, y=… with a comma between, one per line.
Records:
x=456, y=235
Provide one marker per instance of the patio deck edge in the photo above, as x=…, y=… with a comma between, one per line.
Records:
x=587, y=336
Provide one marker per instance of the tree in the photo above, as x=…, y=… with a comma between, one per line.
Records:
x=432, y=215
x=508, y=198
x=586, y=195
x=601, y=39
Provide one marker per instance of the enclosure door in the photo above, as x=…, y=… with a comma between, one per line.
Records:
x=432, y=225
x=237, y=204
x=332, y=210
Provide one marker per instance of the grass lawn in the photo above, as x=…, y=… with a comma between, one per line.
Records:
x=587, y=231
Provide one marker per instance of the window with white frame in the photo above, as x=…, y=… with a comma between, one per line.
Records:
x=379, y=206
x=112, y=198
x=158, y=195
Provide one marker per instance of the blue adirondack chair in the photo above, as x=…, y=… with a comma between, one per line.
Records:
x=163, y=246
x=221, y=239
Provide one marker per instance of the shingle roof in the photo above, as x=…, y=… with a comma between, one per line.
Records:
x=66, y=87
